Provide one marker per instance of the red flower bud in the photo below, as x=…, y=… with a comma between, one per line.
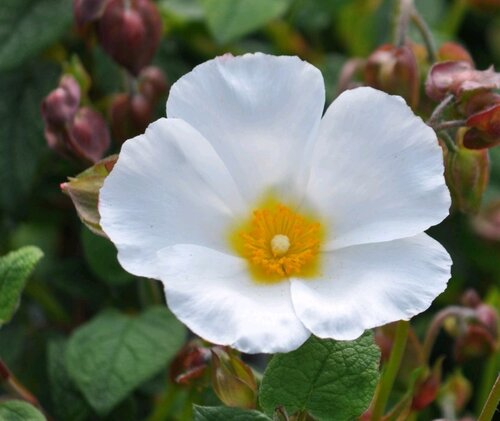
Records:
x=467, y=173
x=60, y=106
x=470, y=298
x=476, y=342
x=479, y=101
x=349, y=74
x=394, y=70
x=129, y=115
x=485, y=129
x=427, y=390
x=86, y=11
x=488, y=317
x=458, y=77
x=132, y=34
x=451, y=51
x=487, y=223
x=152, y=83
x=190, y=364
x=88, y=136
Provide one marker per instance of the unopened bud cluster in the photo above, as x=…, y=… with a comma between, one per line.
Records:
x=474, y=94
x=130, y=113
x=128, y=30
x=71, y=130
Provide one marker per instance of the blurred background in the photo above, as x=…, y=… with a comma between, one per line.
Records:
x=121, y=87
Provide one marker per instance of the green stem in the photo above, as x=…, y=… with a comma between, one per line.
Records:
x=491, y=403
x=448, y=140
x=403, y=21
x=440, y=109
x=388, y=375
x=163, y=407
x=426, y=35
x=451, y=124
x=490, y=371
x=454, y=17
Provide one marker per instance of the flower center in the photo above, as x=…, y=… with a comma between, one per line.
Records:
x=280, y=242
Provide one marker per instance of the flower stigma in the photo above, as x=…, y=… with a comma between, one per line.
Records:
x=279, y=242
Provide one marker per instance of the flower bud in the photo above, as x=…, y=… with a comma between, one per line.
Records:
x=130, y=32
x=129, y=115
x=190, y=364
x=427, y=390
x=152, y=83
x=88, y=136
x=232, y=380
x=350, y=73
x=480, y=101
x=484, y=129
x=86, y=11
x=476, y=342
x=451, y=51
x=457, y=78
x=458, y=389
x=488, y=317
x=470, y=298
x=487, y=223
x=84, y=192
x=467, y=173
x=394, y=70
x=60, y=106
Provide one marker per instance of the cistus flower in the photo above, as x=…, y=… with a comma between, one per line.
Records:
x=266, y=222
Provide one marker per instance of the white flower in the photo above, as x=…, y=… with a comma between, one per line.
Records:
x=266, y=222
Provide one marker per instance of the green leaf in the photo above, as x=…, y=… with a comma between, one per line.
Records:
x=219, y=413
x=15, y=268
x=187, y=10
x=19, y=411
x=111, y=355
x=21, y=131
x=69, y=404
x=331, y=380
x=100, y=254
x=29, y=26
x=231, y=19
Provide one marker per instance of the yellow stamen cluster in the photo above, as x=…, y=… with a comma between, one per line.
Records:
x=280, y=241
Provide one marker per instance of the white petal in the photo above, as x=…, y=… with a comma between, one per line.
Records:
x=168, y=186
x=213, y=295
x=369, y=285
x=377, y=171
x=259, y=112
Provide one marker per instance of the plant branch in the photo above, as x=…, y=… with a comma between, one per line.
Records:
x=437, y=322
x=426, y=35
x=403, y=21
x=440, y=109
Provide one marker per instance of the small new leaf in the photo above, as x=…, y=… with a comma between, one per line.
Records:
x=15, y=268
x=330, y=380
x=111, y=355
